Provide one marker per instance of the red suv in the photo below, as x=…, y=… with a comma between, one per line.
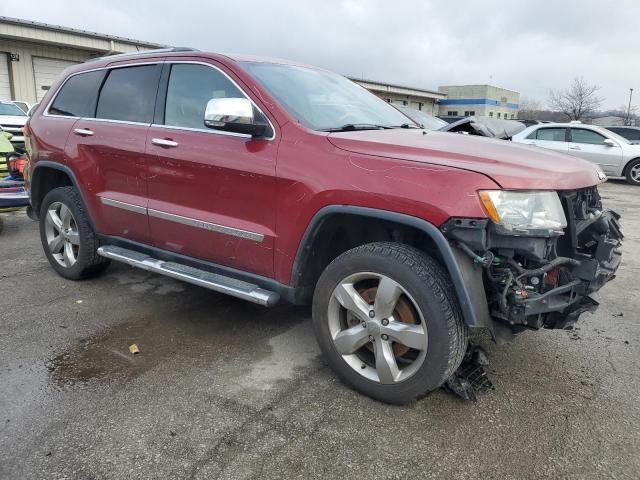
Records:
x=269, y=181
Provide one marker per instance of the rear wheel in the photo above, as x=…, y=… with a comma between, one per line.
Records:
x=67, y=237
x=633, y=172
x=388, y=323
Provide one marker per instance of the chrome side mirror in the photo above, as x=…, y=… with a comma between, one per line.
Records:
x=232, y=115
x=609, y=143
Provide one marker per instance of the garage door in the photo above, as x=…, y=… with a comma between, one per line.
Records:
x=5, y=86
x=45, y=72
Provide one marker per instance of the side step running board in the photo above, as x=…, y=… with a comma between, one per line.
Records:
x=202, y=278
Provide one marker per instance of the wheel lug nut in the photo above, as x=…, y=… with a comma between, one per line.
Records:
x=385, y=321
x=371, y=337
x=372, y=314
x=385, y=337
x=364, y=324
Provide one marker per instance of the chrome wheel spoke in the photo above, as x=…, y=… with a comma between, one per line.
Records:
x=56, y=244
x=386, y=365
x=386, y=297
x=65, y=216
x=409, y=335
x=350, y=299
x=351, y=340
x=54, y=220
x=68, y=256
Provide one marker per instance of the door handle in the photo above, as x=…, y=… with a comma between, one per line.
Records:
x=83, y=132
x=164, y=142
x=575, y=147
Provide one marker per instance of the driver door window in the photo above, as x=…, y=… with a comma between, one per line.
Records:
x=589, y=137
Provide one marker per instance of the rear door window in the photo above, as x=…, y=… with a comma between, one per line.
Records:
x=551, y=134
x=129, y=94
x=582, y=135
x=78, y=96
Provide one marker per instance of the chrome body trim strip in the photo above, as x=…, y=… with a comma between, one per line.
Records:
x=202, y=130
x=124, y=205
x=214, y=227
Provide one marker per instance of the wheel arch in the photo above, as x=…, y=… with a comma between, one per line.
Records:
x=325, y=239
x=626, y=166
x=46, y=176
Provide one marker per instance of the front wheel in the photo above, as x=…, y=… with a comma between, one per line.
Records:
x=632, y=173
x=387, y=321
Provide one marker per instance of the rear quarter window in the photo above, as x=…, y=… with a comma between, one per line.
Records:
x=78, y=95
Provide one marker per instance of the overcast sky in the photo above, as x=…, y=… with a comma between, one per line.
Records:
x=528, y=46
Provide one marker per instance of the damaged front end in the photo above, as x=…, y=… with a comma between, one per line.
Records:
x=540, y=275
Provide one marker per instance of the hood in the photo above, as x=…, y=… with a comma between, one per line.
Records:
x=13, y=119
x=508, y=164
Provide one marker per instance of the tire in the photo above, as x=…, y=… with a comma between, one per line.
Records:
x=632, y=172
x=68, y=240
x=372, y=273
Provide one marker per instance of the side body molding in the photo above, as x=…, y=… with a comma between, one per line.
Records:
x=474, y=314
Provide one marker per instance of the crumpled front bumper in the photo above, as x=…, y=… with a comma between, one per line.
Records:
x=596, y=259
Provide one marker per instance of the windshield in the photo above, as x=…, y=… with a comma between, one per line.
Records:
x=11, y=109
x=427, y=121
x=326, y=101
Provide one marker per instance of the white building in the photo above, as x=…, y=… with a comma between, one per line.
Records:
x=479, y=100
x=33, y=54
x=420, y=99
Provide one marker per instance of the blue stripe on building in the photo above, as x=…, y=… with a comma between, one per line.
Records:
x=475, y=101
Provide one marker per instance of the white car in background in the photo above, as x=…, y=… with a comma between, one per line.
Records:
x=13, y=120
x=617, y=156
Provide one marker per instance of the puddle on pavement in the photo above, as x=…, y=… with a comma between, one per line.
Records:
x=216, y=330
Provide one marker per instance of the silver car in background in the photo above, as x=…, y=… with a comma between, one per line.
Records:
x=616, y=155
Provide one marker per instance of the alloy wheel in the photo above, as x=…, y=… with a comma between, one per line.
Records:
x=377, y=327
x=634, y=172
x=61, y=231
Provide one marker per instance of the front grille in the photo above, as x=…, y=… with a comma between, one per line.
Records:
x=15, y=129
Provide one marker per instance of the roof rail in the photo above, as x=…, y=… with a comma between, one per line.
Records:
x=145, y=52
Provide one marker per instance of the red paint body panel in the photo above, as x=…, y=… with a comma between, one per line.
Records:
x=111, y=163
x=274, y=188
x=220, y=179
x=507, y=163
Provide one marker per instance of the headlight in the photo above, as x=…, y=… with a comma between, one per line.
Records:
x=524, y=212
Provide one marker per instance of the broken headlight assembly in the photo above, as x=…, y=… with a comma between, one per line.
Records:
x=519, y=212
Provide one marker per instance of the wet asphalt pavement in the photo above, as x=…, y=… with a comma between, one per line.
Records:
x=227, y=389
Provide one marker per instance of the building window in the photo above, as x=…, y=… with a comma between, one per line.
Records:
x=513, y=115
x=469, y=113
x=498, y=115
x=452, y=113
x=491, y=114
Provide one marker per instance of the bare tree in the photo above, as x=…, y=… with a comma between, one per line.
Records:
x=529, y=108
x=577, y=101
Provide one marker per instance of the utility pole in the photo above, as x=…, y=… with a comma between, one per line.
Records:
x=628, y=121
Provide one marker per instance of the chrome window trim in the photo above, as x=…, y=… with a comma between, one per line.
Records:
x=235, y=84
x=123, y=205
x=203, y=130
x=214, y=227
x=57, y=92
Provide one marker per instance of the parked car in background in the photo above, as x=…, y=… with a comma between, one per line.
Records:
x=32, y=109
x=616, y=155
x=270, y=181
x=485, y=127
x=24, y=106
x=630, y=133
x=429, y=122
x=13, y=120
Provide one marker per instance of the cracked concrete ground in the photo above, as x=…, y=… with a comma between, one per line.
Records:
x=226, y=389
